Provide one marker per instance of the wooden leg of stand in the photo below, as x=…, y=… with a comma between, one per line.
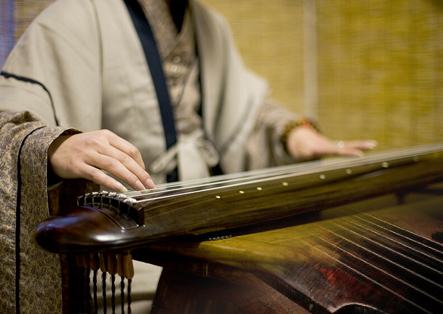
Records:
x=76, y=296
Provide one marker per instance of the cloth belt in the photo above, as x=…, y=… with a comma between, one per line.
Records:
x=192, y=154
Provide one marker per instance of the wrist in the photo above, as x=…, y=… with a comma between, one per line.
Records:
x=291, y=126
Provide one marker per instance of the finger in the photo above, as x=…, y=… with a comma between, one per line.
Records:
x=126, y=147
x=362, y=145
x=353, y=148
x=99, y=177
x=124, y=168
x=114, y=154
x=135, y=171
x=348, y=151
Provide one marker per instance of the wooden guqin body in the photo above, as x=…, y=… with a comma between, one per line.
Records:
x=332, y=236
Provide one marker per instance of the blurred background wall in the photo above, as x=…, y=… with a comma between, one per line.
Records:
x=380, y=70
x=15, y=16
x=363, y=69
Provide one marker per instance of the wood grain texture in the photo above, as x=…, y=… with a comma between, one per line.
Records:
x=104, y=222
x=358, y=262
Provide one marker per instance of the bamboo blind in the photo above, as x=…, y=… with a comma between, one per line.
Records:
x=15, y=17
x=379, y=69
x=269, y=35
x=25, y=11
x=6, y=28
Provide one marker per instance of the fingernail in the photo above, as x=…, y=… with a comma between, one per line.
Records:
x=372, y=144
x=119, y=187
x=150, y=184
x=139, y=186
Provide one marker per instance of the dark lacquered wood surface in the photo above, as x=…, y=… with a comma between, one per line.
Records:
x=104, y=221
x=389, y=260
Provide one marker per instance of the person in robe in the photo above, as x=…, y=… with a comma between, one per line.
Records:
x=81, y=99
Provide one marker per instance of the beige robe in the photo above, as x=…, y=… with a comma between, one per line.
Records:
x=89, y=58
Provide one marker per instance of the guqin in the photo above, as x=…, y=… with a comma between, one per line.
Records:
x=357, y=235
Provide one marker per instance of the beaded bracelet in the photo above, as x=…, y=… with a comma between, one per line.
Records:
x=292, y=125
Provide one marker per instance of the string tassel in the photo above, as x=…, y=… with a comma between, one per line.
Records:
x=113, y=264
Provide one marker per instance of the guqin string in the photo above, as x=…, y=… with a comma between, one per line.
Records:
x=380, y=252
x=386, y=159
